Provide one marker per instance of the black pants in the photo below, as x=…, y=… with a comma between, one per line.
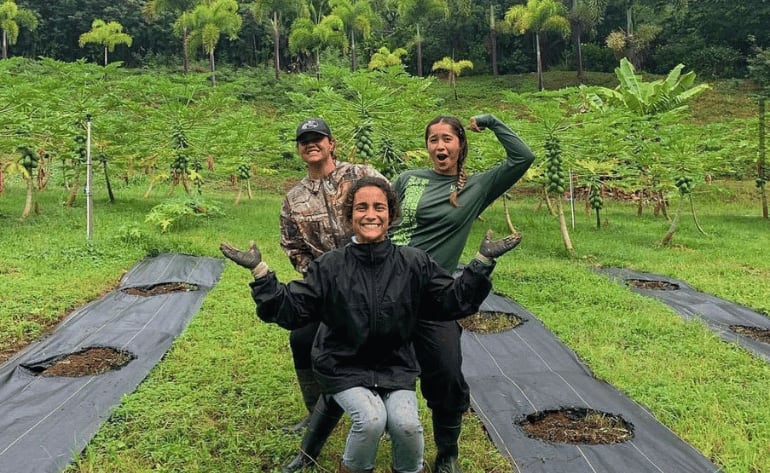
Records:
x=301, y=342
x=443, y=385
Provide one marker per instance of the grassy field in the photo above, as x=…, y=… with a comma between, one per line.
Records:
x=217, y=400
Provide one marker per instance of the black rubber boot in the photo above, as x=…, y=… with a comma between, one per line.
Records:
x=326, y=415
x=446, y=433
x=311, y=391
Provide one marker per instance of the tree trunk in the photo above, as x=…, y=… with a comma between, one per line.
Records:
x=28, y=203
x=419, y=53
x=493, y=40
x=109, y=185
x=276, y=46
x=674, y=223
x=213, y=69
x=576, y=34
x=185, y=51
x=73, y=190
x=353, y=62
x=563, y=228
x=5, y=45
x=539, y=64
x=762, y=165
x=105, y=55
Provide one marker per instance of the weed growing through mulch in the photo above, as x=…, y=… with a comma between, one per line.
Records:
x=490, y=322
x=577, y=426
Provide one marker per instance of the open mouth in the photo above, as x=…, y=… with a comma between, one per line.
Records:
x=442, y=157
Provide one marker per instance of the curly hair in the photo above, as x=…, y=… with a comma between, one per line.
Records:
x=394, y=206
x=459, y=131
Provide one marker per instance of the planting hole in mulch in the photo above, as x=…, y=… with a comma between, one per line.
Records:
x=577, y=426
x=490, y=322
x=757, y=333
x=163, y=288
x=656, y=285
x=87, y=362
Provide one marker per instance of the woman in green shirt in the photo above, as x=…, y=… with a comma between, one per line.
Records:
x=438, y=208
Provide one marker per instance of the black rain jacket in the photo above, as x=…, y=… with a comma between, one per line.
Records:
x=368, y=298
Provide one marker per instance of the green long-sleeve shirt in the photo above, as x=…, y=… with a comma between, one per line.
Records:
x=430, y=222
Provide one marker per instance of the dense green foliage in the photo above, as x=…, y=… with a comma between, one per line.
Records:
x=713, y=37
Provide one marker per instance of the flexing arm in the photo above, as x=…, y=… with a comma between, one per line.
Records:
x=518, y=156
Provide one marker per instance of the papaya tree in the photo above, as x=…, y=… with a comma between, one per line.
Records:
x=652, y=107
x=25, y=166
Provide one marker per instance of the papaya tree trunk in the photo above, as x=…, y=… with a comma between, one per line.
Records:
x=674, y=223
x=564, y=230
x=28, y=203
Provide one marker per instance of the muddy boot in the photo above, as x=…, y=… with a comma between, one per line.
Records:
x=325, y=417
x=446, y=433
x=310, y=393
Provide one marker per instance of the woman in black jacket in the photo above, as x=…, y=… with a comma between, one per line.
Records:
x=368, y=296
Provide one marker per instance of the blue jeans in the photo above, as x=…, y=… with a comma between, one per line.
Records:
x=371, y=414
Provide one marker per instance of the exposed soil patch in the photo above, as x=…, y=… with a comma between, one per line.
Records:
x=157, y=289
x=577, y=426
x=757, y=333
x=490, y=322
x=87, y=362
x=655, y=285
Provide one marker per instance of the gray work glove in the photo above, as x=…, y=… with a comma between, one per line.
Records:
x=492, y=249
x=251, y=259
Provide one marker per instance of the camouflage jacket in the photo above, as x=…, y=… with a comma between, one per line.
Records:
x=311, y=214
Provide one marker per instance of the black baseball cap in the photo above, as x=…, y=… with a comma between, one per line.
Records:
x=313, y=125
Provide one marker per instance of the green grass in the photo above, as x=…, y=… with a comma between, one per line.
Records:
x=217, y=400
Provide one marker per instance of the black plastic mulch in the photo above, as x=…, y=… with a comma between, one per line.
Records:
x=527, y=370
x=46, y=421
x=718, y=314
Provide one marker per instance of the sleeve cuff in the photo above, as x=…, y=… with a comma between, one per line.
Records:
x=260, y=270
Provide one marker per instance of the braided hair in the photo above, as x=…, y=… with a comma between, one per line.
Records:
x=459, y=131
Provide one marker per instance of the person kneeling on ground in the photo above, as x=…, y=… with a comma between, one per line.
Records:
x=369, y=295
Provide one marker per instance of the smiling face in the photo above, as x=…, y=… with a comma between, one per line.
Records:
x=370, y=214
x=317, y=151
x=444, y=148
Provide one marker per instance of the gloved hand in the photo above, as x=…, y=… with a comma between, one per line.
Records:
x=251, y=259
x=491, y=249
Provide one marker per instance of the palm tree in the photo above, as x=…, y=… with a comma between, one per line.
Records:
x=153, y=10
x=454, y=68
x=538, y=17
x=107, y=35
x=311, y=36
x=11, y=18
x=418, y=11
x=208, y=21
x=357, y=15
x=584, y=16
x=271, y=11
